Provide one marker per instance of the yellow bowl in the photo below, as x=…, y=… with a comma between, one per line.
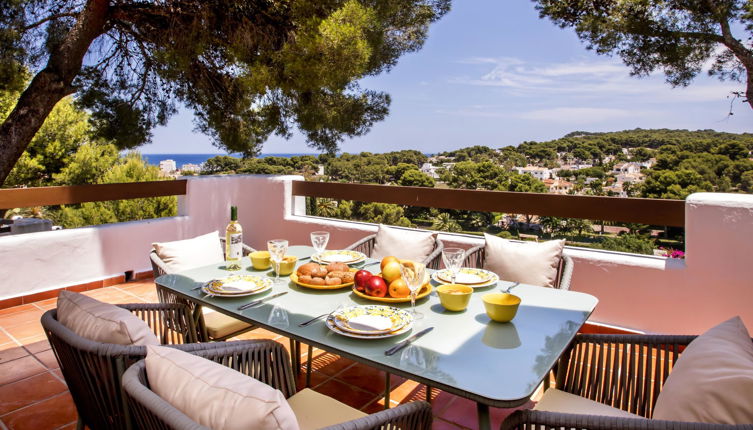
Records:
x=260, y=260
x=501, y=307
x=454, y=297
x=288, y=264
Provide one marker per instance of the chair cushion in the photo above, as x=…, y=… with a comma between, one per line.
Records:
x=102, y=322
x=187, y=254
x=308, y=406
x=555, y=400
x=220, y=325
x=528, y=262
x=403, y=243
x=712, y=381
x=216, y=396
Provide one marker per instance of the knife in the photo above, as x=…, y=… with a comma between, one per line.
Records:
x=408, y=341
x=260, y=301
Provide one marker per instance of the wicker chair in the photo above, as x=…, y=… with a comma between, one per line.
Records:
x=267, y=361
x=626, y=372
x=366, y=245
x=476, y=256
x=215, y=328
x=93, y=370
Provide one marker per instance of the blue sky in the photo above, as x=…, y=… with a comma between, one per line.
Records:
x=492, y=73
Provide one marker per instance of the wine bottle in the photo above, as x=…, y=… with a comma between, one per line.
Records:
x=233, y=241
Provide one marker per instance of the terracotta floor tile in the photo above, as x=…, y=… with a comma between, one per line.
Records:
x=440, y=424
x=139, y=288
x=368, y=378
x=258, y=333
x=26, y=331
x=24, y=318
x=38, y=346
x=331, y=364
x=49, y=414
x=345, y=393
x=16, y=309
x=36, y=338
x=4, y=338
x=20, y=368
x=317, y=379
x=27, y=391
x=47, y=304
x=70, y=426
x=48, y=359
x=10, y=354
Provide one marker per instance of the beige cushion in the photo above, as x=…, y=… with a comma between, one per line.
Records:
x=403, y=243
x=102, y=322
x=315, y=410
x=528, y=262
x=555, y=400
x=712, y=381
x=220, y=325
x=187, y=254
x=216, y=396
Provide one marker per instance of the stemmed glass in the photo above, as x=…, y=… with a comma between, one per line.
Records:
x=453, y=260
x=413, y=275
x=319, y=241
x=277, y=249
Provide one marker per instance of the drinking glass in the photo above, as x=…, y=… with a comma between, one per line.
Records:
x=319, y=241
x=277, y=249
x=413, y=275
x=453, y=260
x=278, y=317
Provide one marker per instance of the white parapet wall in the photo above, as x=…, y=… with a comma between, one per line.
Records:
x=652, y=294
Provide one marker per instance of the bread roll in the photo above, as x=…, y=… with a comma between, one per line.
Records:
x=319, y=272
x=305, y=279
x=333, y=281
x=337, y=267
x=317, y=281
x=307, y=268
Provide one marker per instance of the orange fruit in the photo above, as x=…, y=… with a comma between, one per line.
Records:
x=387, y=260
x=399, y=289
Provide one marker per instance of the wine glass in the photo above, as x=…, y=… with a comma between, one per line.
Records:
x=277, y=249
x=453, y=260
x=319, y=240
x=413, y=275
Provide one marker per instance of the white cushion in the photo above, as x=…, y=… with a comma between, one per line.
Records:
x=555, y=400
x=528, y=262
x=102, y=322
x=187, y=254
x=403, y=243
x=220, y=325
x=712, y=381
x=315, y=410
x=216, y=396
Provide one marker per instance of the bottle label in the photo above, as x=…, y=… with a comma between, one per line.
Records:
x=235, y=246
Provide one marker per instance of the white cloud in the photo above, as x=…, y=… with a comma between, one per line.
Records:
x=603, y=79
x=580, y=115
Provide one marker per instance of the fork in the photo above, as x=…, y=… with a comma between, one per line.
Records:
x=511, y=287
x=318, y=317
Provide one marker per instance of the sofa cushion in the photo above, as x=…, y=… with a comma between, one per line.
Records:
x=528, y=262
x=216, y=396
x=187, y=254
x=220, y=325
x=403, y=243
x=712, y=381
x=308, y=406
x=102, y=322
x=555, y=400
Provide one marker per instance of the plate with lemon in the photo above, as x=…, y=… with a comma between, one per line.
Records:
x=388, y=285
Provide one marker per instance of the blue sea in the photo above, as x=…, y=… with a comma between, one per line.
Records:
x=181, y=159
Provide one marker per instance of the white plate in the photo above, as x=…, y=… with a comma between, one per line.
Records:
x=331, y=325
x=492, y=281
x=339, y=256
x=467, y=276
x=370, y=321
x=237, y=286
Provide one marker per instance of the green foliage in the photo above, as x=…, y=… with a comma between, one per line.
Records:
x=383, y=213
x=628, y=243
x=676, y=36
x=415, y=178
x=668, y=184
x=221, y=164
x=444, y=222
x=88, y=165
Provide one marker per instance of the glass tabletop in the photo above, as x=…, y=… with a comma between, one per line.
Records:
x=499, y=364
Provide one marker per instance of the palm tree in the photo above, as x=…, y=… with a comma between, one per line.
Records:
x=444, y=222
x=326, y=208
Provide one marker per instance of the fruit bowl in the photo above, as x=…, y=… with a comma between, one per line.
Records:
x=425, y=290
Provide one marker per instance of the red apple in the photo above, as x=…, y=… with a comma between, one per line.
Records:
x=361, y=278
x=376, y=287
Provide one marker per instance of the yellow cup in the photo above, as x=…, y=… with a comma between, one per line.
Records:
x=260, y=260
x=454, y=297
x=501, y=307
x=287, y=265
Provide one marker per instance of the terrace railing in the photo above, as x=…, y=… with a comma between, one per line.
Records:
x=658, y=212
x=48, y=196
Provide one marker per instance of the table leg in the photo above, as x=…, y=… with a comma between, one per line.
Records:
x=428, y=393
x=309, y=358
x=484, y=420
x=387, y=389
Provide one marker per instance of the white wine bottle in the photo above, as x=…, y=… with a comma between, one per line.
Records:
x=233, y=241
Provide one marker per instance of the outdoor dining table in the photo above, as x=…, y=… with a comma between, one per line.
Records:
x=466, y=354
